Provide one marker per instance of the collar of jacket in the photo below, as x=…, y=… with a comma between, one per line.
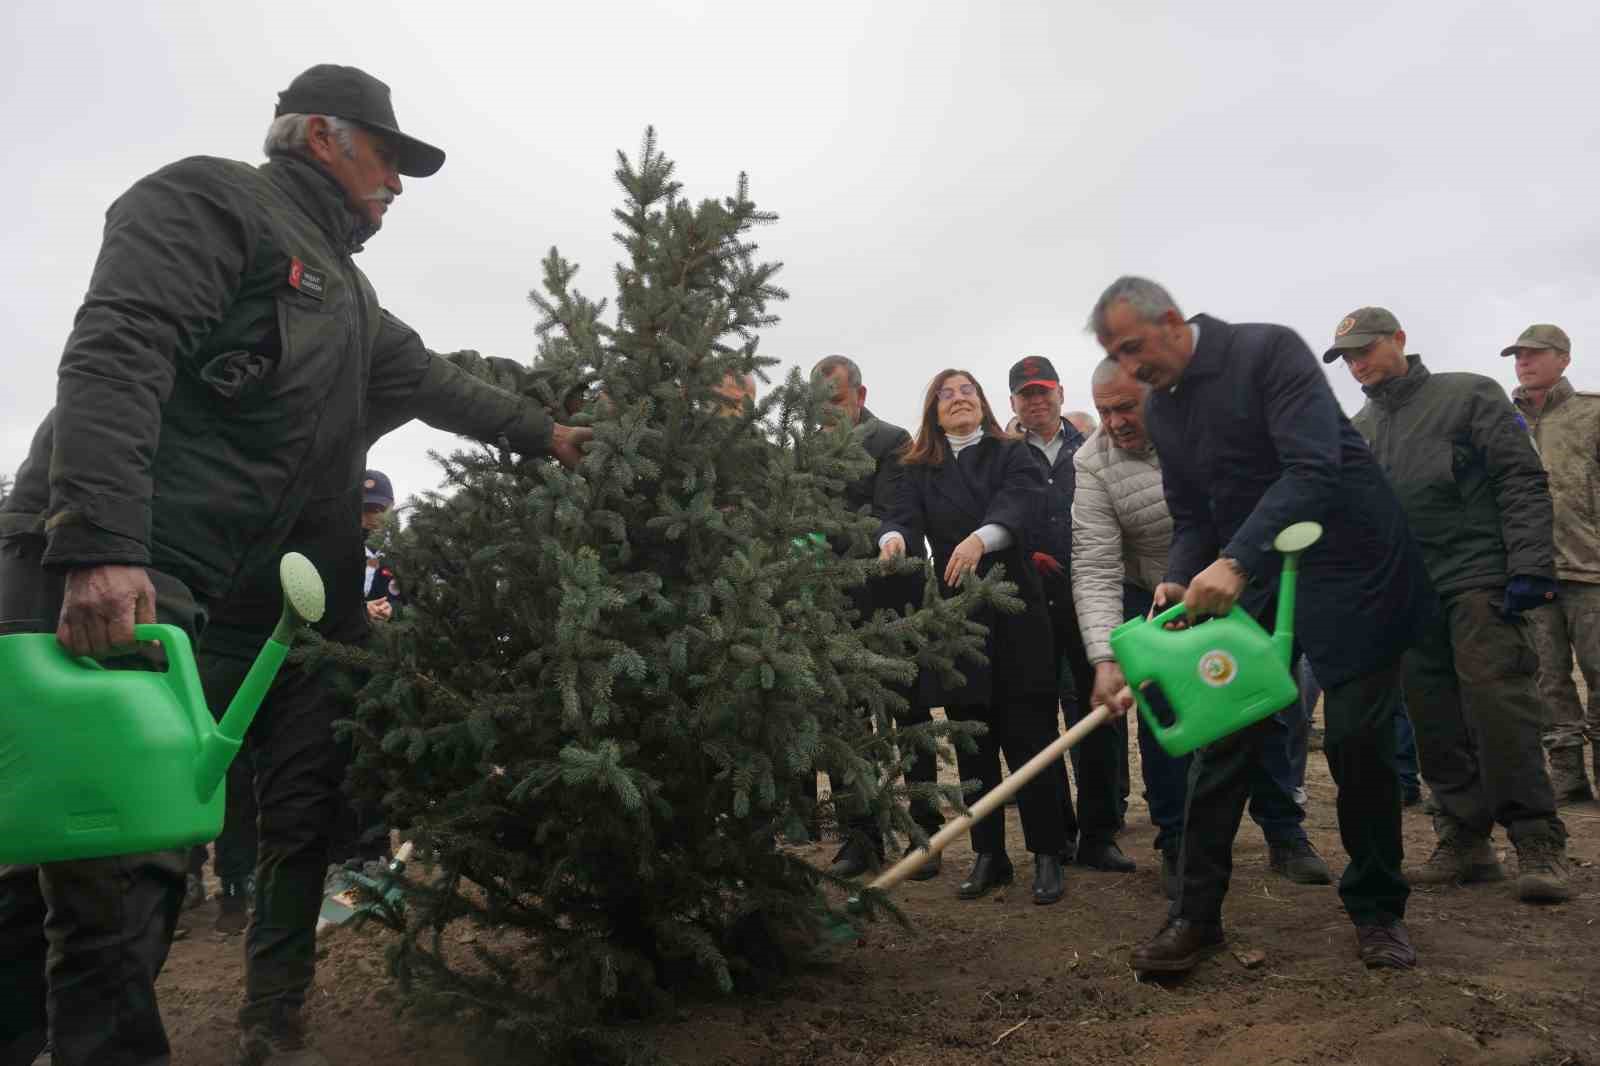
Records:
x=320, y=197
x=1397, y=392
x=1210, y=355
x=1559, y=393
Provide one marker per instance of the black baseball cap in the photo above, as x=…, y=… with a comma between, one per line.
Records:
x=349, y=93
x=1033, y=370
x=375, y=488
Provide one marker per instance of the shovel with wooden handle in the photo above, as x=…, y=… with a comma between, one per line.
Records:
x=991, y=801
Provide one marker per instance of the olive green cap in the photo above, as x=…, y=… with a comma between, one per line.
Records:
x=1540, y=335
x=1360, y=328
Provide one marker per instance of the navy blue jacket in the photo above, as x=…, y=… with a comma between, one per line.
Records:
x=1053, y=532
x=991, y=481
x=1252, y=440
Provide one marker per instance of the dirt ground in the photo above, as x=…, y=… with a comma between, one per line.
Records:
x=998, y=980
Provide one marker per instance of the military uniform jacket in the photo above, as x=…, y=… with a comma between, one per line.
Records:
x=1567, y=434
x=1252, y=440
x=224, y=375
x=1475, y=495
x=991, y=481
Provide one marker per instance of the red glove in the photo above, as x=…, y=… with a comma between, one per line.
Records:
x=1046, y=564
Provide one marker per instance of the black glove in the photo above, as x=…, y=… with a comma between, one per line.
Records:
x=1525, y=593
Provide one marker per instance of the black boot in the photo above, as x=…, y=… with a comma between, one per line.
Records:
x=929, y=869
x=1047, y=886
x=854, y=859
x=990, y=871
x=1106, y=856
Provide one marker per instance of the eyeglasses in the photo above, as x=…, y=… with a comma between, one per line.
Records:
x=950, y=392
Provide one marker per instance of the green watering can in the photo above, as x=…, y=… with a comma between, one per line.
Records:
x=1196, y=685
x=97, y=762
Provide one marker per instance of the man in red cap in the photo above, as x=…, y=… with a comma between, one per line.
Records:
x=225, y=375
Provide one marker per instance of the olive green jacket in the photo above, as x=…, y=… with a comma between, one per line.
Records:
x=1567, y=433
x=1474, y=494
x=224, y=377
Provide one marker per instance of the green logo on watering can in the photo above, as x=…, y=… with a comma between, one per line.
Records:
x=1218, y=668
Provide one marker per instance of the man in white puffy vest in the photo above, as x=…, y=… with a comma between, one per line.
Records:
x=1121, y=533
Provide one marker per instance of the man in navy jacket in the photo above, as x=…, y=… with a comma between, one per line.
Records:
x=1036, y=398
x=1252, y=440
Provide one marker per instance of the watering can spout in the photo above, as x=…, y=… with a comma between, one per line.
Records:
x=303, y=602
x=1290, y=543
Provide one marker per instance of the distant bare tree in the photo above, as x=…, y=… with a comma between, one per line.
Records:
x=5, y=487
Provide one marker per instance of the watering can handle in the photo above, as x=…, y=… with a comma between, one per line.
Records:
x=1176, y=611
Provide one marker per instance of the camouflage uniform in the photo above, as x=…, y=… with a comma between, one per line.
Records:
x=1566, y=431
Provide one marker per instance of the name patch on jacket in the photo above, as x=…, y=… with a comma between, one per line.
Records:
x=305, y=280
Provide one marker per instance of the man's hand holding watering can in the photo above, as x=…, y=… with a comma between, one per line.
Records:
x=1211, y=594
x=101, y=605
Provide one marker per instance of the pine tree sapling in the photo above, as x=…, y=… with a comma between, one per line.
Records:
x=599, y=712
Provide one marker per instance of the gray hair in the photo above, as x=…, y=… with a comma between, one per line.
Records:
x=1106, y=371
x=1149, y=301
x=288, y=134
x=829, y=364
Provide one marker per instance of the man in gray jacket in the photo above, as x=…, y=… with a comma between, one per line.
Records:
x=1478, y=504
x=1121, y=533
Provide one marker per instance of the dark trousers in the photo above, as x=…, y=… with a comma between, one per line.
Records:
x=1472, y=689
x=299, y=769
x=1359, y=745
x=1405, y=750
x=1021, y=726
x=1097, y=757
x=84, y=941
x=1166, y=777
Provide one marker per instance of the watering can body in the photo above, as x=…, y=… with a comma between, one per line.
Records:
x=97, y=762
x=1195, y=686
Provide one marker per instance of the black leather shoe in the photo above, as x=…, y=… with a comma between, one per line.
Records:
x=1385, y=947
x=1179, y=947
x=1047, y=887
x=990, y=871
x=928, y=870
x=853, y=860
x=1106, y=856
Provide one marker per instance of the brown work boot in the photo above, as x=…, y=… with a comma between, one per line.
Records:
x=1385, y=947
x=281, y=1041
x=1542, y=875
x=1458, y=861
x=1179, y=947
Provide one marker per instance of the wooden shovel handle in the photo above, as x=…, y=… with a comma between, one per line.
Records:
x=992, y=799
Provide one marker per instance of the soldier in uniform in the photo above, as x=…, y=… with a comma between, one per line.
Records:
x=1476, y=500
x=1565, y=425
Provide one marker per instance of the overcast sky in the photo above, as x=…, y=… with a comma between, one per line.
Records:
x=956, y=183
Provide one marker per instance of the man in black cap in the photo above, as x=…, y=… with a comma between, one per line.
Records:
x=1036, y=398
x=225, y=375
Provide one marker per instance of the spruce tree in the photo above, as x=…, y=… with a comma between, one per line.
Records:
x=598, y=712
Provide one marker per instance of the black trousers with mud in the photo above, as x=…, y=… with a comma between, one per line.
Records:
x=1359, y=743
x=299, y=770
x=1472, y=689
x=81, y=942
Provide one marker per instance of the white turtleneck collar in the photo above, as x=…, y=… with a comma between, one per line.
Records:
x=958, y=443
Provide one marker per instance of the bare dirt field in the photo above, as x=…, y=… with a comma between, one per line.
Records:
x=999, y=980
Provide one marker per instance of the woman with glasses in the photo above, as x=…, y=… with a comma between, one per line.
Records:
x=971, y=490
